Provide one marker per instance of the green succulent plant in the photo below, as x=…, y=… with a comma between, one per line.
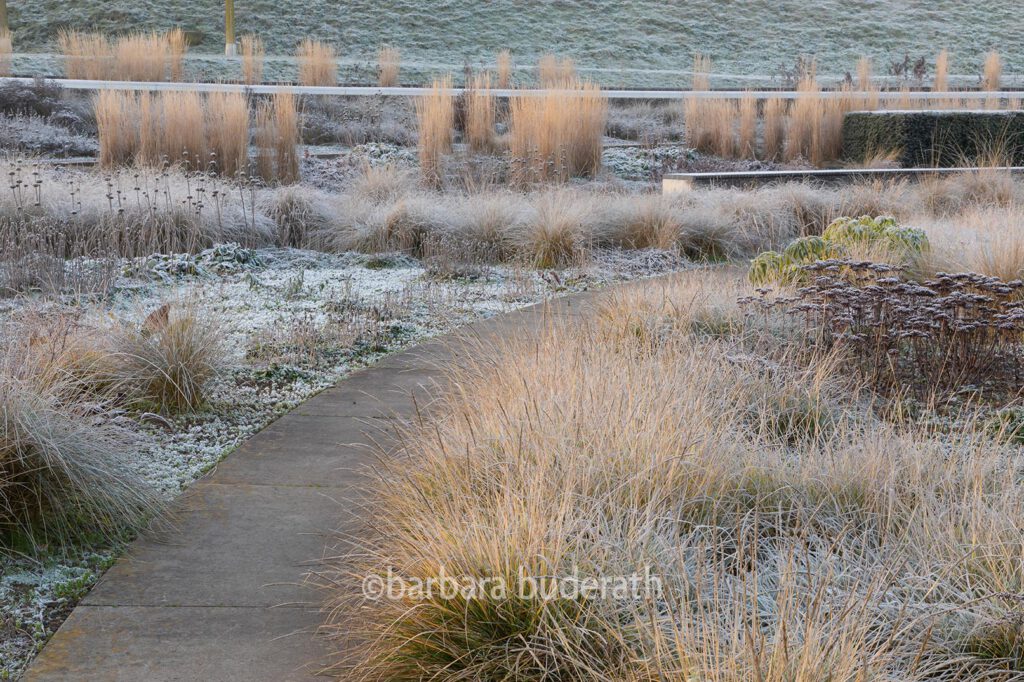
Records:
x=841, y=235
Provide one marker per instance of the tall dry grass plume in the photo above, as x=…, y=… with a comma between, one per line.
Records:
x=190, y=130
x=866, y=88
x=142, y=57
x=830, y=142
x=991, y=76
x=389, y=61
x=480, y=114
x=87, y=56
x=709, y=122
x=804, y=134
x=435, y=117
x=746, y=144
x=177, y=45
x=504, y=68
x=150, y=57
x=555, y=72
x=227, y=126
x=277, y=139
x=150, y=151
x=774, y=128
x=941, y=81
x=6, y=50
x=864, y=74
x=317, y=65
x=184, y=139
x=117, y=125
x=252, y=50
x=558, y=134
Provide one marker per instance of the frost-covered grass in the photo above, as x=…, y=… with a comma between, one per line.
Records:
x=293, y=322
x=742, y=39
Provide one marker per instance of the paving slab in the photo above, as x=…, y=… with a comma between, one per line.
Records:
x=307, y=450
x=190, y=644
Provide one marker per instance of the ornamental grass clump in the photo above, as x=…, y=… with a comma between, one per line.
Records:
x=65, y=477
x=166, y=363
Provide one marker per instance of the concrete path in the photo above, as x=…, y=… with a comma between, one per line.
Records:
x=219, y=593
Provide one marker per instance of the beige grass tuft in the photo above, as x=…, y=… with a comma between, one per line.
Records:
x=252, y=51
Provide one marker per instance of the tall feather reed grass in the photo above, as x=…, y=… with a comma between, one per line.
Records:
x=179, y=128
x=88, y=56
x=710, y=122
x=556, y=72
x=253, y=52
x=991, y=75
x=151, y=57
x=558, y=134
x=317, y=65
x=480, y=114
x=177, y=44
x=746, y=146
x=504, y=68
x=227, y=127
x=804, y=132
x=6, y=50
x=389, y=62
x=435, y=117
x=941, y=80
x=774, y=127
x=277, y=139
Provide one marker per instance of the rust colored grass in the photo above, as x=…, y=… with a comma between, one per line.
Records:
x=189, y=130
x=747, y=135
x=435, y=117
x=177, y=46
x=227, y=124
x=252, y=50
x=316, y=63
x=991, y=76
x=504, y=68
x=6, y=50
x=555, y=72
x=558, y=134
x=87, y=56
x=480, y=114
x=142, y=57
x=117, y=117
x=277, y=139
x=184, y=142
x=774, y=128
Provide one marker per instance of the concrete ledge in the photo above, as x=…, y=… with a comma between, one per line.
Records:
x=685, y=182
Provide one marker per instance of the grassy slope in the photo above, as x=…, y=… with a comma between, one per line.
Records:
x=744, y=37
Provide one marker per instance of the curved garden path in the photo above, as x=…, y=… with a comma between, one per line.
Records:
x=219, y=593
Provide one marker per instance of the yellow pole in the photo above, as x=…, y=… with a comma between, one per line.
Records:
x=4, y=27
x=229, y=27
